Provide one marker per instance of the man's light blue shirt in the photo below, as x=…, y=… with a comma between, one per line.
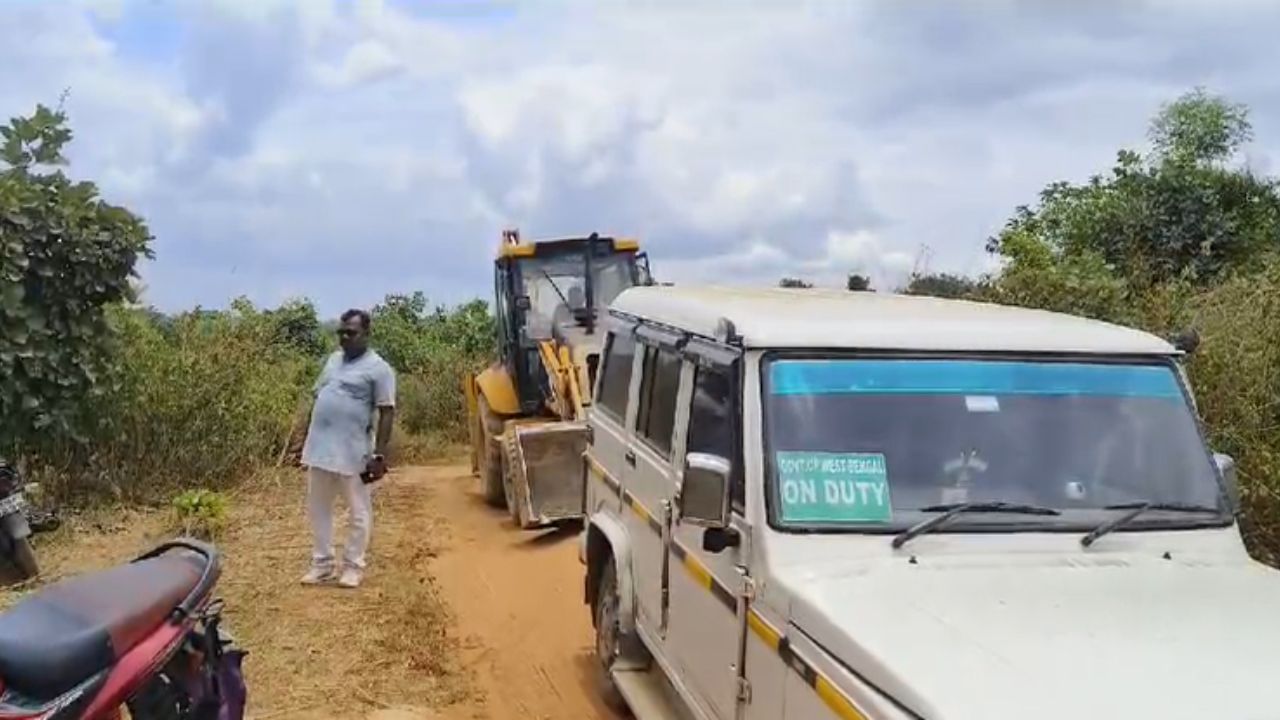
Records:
x=348, y=394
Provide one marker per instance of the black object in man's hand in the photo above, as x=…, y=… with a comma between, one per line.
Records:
x=374, y=470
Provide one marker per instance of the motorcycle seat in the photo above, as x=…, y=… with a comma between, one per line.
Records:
x=76, y=628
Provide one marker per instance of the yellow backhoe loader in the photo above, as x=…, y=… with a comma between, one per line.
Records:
x=528, y=429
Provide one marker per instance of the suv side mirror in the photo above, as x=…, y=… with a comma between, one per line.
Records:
x=1227, y=466
x=704, y=493
x=1188, y=341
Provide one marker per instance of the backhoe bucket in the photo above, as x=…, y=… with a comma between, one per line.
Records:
x=547, y=472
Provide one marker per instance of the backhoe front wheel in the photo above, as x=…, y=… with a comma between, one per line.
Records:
x=508, y=484
x=490, y=455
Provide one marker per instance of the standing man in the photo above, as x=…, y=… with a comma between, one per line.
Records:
x=355, y=387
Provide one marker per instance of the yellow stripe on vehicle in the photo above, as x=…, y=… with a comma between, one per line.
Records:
x=763, y=630
x=830, y=695
x=598, y=470
x=698, y=571
x=639, y=509
x=836, y=700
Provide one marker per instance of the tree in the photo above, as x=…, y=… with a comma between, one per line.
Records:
x=413, y=338
x=1199, y=128
x=295, y=324
x=1179, y=213
x=794, y=282
x=858, y=282
x=943, y=285
x=65, y=255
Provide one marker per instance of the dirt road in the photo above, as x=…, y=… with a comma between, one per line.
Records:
x=517, y=600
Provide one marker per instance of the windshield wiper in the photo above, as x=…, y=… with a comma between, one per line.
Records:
x=554, y=286
x=1135, y=509
x=954, y=510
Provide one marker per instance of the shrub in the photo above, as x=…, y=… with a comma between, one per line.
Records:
x=1236, y=375
x=200, y=513
x=942, y=285
x=432, y=351
x=203, y=399
x=433, y=402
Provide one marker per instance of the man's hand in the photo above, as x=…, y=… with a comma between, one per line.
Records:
x=376, y=467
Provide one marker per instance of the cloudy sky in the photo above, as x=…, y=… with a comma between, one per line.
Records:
x=343, y=150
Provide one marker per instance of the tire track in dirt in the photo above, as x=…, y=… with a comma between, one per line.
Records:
x=516, y=597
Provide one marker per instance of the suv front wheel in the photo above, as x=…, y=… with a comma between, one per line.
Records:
x=608, y=635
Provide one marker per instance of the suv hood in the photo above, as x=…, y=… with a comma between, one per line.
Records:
x=1116, y=638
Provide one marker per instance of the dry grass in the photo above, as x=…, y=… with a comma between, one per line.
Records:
x=314, y=652
x=89, y=540
x=423, y=448
x=326, y=652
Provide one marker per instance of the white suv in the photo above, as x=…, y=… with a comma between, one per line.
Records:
x=808, y=504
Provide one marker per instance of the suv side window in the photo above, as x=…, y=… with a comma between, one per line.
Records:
x=615, y=380
x=714, y=426
x=658, y=389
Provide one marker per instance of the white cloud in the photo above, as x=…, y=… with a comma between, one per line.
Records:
x=366, y=61
x=268, y=143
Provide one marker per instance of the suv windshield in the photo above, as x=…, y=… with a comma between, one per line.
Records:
x=865, y=444
x=556, y=287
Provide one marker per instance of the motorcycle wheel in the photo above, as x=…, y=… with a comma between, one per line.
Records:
x=24, y=558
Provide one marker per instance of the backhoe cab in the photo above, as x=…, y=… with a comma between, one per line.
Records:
x=528, y=430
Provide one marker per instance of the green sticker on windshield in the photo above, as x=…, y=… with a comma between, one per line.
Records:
x=834, y=487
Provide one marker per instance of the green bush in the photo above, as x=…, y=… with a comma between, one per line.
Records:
x=203, y=398
x=432, y=402
x=1236, y=376
x=200, y=513
x=432, y=351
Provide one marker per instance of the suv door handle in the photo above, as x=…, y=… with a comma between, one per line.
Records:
x=630, y=457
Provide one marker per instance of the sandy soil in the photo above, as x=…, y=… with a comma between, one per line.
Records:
x=517, y=601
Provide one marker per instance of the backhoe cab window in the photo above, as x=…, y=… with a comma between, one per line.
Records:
x=557, y=290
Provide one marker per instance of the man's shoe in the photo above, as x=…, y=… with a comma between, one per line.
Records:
x=351, y=578
x=319, y=576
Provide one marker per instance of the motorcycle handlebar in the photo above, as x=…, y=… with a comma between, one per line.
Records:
x=208, y=577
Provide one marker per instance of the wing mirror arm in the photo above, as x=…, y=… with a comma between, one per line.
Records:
x=1230, y=483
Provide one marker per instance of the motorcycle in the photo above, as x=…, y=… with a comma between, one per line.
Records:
x=145, y=636
x=16, y=527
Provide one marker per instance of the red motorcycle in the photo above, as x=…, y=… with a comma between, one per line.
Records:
x=146, y=635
